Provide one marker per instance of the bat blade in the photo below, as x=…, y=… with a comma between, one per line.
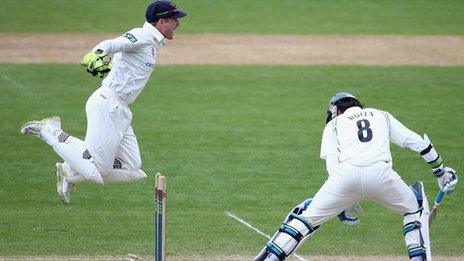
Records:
x=438, y=200
x=432, y=216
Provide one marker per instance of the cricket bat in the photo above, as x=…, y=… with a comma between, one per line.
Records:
x=438, y=199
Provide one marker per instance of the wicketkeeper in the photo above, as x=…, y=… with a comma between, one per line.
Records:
x=356, y=148
x=110, y=152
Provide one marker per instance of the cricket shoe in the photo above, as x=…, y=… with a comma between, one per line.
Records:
x=51, y=125
x=63, y=187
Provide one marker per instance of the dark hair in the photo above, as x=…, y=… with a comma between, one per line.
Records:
x=346, y=103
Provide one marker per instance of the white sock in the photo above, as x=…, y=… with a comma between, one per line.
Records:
x=123, y=176
x=74, y=158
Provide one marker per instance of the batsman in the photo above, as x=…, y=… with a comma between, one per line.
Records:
x=110, y=151
x=356, y=148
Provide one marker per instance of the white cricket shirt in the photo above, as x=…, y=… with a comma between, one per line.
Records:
x=135, y=60
x=362, y=137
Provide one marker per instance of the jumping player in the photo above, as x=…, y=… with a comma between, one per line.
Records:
x=356, y=148
x=110, y=152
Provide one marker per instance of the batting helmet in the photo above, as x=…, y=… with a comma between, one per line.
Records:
x=340, y=102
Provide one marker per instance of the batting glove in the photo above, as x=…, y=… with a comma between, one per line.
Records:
x=448, y=179
x=97, y=62
x=350, y=216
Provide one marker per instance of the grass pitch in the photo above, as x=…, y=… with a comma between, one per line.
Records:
x=413, y=17
x=243, y=139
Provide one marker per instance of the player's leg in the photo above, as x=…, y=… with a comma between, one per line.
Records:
x=331, y=199
x=124, y=176
x=73, y=176
x=79, y=162
x=126, y=166
x=49, y=130
x=102, y=138
x=103, y=134
x=127, y=163
x=66, y=175
x=424, y=238
x=412, y=202
x=274, y=249
x=107, y=120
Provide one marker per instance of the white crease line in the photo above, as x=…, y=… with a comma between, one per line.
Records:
x=256, y=230
x=248, y=225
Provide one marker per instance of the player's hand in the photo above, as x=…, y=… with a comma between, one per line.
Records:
x=350, y=216
x=97, y=62
x=448, y=180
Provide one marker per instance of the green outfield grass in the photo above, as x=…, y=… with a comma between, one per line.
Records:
x=423, y=17
x=241, y=139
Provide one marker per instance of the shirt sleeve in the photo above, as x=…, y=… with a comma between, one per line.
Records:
x=404, y=137
x=123, y=43
x=329, y=142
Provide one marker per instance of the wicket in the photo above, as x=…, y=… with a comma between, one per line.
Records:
x=160, y=217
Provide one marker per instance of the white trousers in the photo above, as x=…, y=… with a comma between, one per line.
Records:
x=350, y=184
x=110, y=140
x=109, y=132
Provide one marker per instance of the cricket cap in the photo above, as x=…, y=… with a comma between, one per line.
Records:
x=162, y=9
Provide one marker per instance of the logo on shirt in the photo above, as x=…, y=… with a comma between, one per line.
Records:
x=130, y=36
x=149, y=64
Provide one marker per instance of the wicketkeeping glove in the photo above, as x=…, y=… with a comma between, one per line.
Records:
x=350, y=216
x=97, y=62
x=447, y=179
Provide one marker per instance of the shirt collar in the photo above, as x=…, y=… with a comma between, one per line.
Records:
x=354, y=108
x=154, y=32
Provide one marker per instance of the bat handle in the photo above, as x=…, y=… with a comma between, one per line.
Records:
x=439, y=197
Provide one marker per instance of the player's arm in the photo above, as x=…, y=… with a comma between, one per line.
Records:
x=98, y=60
x=406, y=138
x=124, y=43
